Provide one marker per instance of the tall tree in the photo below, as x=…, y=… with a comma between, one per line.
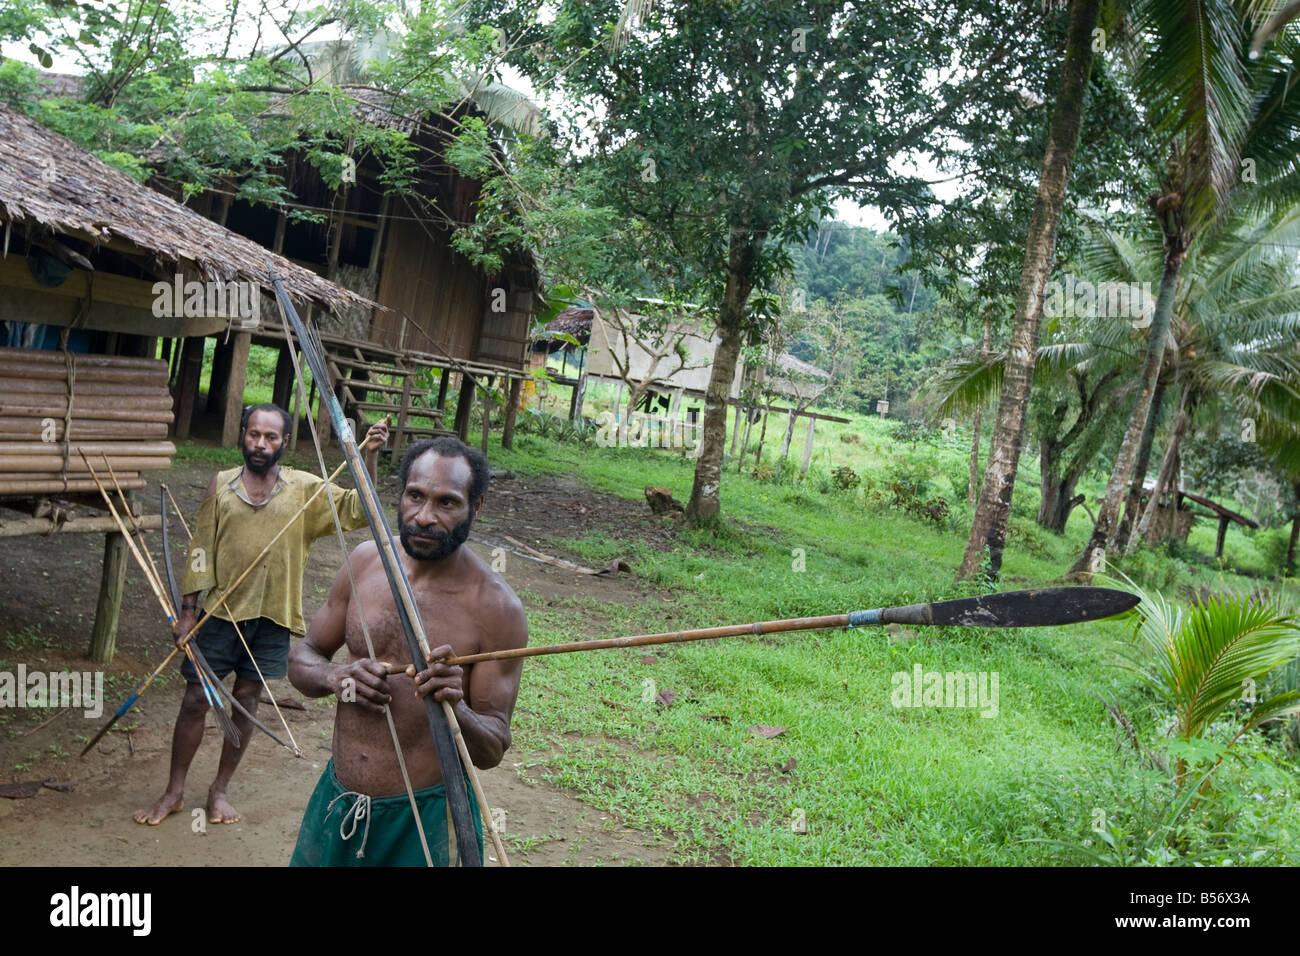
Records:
x=993, y=508
x=732, y=126
x=1209, y=106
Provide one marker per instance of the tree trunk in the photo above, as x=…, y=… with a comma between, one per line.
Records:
x=1134, y=501
x=706, y=504
x=1295, y=535
x=993, y=510
x=1093, y=558
x=1168, y=474
x=973, y=482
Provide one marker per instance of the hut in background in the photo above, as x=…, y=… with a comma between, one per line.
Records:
x=90, y=265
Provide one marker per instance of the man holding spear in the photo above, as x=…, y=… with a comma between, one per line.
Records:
x=360, y=812
x=242, y=508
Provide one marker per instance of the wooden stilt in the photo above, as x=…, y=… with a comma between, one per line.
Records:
x=234, y=399
x=487, y=412
x=442, y=390
x=512, y=409
x=400, y=433
x=108, y=609
x=219, y=377
x=187, y=385
x=283, y=377
x=463, y=406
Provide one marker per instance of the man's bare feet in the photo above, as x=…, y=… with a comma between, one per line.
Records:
x=219, y=808
x=167, y=804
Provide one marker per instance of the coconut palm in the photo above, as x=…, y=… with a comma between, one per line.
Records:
x=1211, y=107
x=1237, y=321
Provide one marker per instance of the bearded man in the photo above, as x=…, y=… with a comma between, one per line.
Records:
x=242, y=510
x=360, y=813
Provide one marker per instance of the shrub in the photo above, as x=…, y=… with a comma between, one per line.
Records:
x=845, y=478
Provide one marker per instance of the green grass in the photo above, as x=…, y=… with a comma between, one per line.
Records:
x=875, y=784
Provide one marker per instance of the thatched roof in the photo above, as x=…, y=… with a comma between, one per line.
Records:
x=791, y=365
x=47, y=182
x=572, y=321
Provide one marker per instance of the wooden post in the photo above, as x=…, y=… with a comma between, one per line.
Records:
x=512, y=409
x=219, y=377
x=187, y=386
x=108, y=609
x=464, y=403
x=487, y=411
x=235, y=389
x=174, y=366
x=808, y=446
x=1223, y=530
x=579, y=396
x=442, y=390
x=322, y=418
x=402, y=413
x=283, y=378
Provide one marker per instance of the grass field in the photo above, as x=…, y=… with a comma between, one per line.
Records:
x=870, y=782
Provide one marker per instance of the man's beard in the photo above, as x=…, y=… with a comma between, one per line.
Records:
x=263, y=466
x=444, y=545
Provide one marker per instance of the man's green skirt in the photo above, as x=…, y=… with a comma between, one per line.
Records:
x=343, y=828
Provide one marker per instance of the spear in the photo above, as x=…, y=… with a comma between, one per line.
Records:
x=1037, y=607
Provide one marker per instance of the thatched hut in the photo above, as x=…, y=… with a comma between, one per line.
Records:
x=94, y=268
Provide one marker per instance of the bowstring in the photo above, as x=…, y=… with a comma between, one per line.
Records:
x=347, y=563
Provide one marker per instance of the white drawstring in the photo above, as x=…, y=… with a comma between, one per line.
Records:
x=360, y=811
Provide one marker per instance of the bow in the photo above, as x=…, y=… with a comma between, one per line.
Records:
x=452, y=753
x=164, y=493
x=184, y=641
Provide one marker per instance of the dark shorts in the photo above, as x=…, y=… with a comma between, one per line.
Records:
x=220, y=644
x=344, y=828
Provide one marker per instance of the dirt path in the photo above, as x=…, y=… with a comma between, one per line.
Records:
x=47, y=595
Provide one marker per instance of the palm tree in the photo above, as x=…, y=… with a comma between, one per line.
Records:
x=993, y=507
x=1238, y=317
x=1210, y=107
x=1202, y=662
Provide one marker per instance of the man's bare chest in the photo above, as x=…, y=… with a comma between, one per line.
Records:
x=447, y=615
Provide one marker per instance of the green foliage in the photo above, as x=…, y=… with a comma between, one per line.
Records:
x=844, y=478
x=1202, y=663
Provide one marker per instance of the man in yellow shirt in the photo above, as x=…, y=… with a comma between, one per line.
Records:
x=244, y=508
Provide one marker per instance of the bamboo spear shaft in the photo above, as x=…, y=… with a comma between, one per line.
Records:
x=1036, y=607
x=207, y=613
x=150, y=572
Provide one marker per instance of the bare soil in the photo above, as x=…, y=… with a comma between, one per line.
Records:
x=48, y=588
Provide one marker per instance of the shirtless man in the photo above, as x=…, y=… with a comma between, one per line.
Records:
x=360, y=814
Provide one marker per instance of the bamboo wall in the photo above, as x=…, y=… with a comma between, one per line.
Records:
x=55, y=405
